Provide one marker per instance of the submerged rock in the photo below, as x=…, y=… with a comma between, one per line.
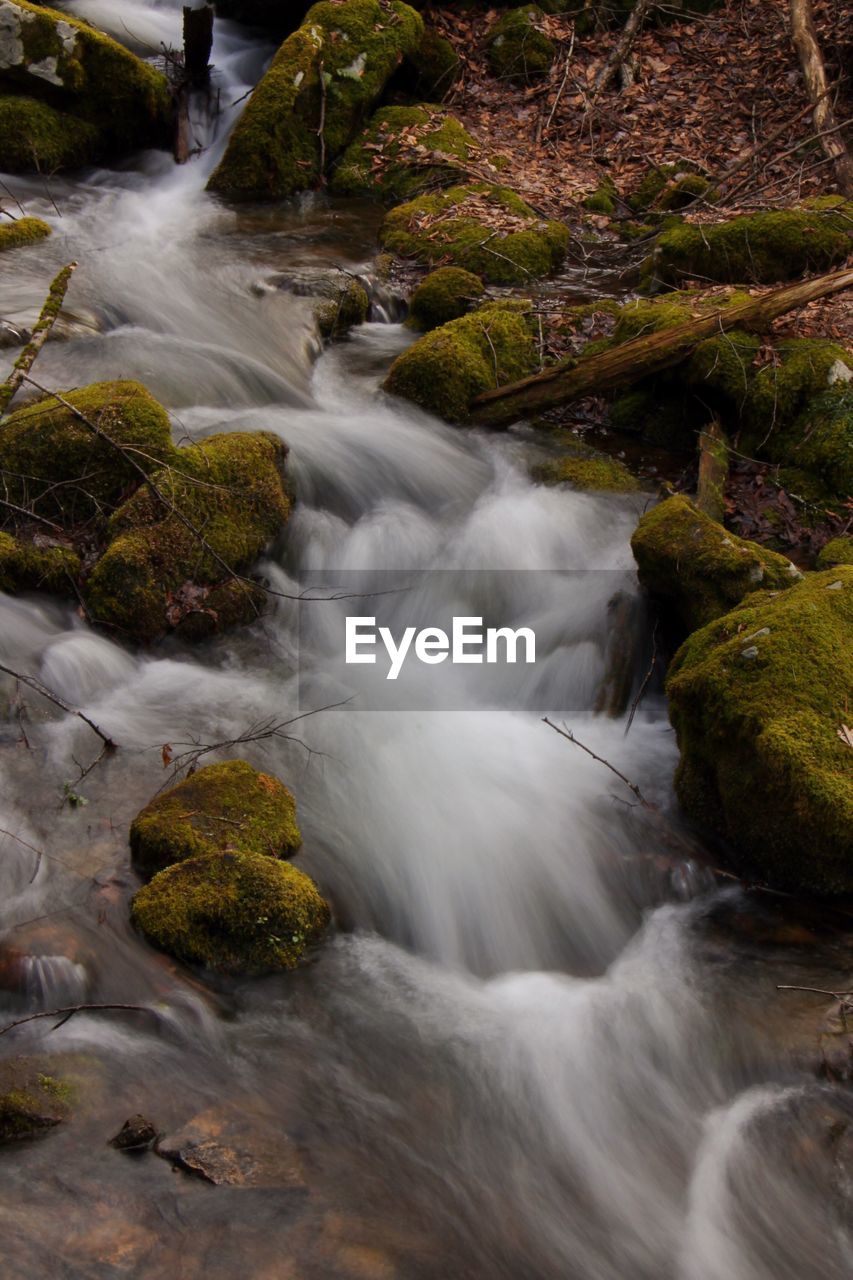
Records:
x=228, y=806
x=331, y=70
x=757, y=699
x=486, y=229
x=31, y=1102
x=232, y=912
x=588, y=471
x=443, y=371
x=402, y=151
x=22, y=230
x=518, y=49
x=696, y=568
x=442, y=296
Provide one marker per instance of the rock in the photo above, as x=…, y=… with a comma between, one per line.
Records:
x=136, y=1134
x=402, y=151
x=442, y=296
x=22, y=230
x=229, y=1145
x=334, y=67
x=762, y=762
x=111, y=100
x=278, y=17
x=587, y=471
x=232, y=912
x=625, y=636
x=35, y=567
x=518, y=49
x=775, y=245
x=430, y=72
x=337, y=316
x=30, y=1101
x=667, y=188
x=155, y=575
x=443, y=371
x=486, y=229
x=836, y=551
x=698, y=570
x=46, y=443
x=222, y=807
x=342, y=299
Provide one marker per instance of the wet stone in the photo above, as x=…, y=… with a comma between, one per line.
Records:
x=136, y=1134
x=227, y=1148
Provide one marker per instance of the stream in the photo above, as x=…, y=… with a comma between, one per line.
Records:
x=545, y=1041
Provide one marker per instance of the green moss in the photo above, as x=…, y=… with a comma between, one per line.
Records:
x=220, y=808
x=836, y=551
x=721, y=370
x=668, y=188
x=488, y=230
x=650, y=315
x=603, y=199
x=402, y=151
x=155, y=572
x=757, y=698
x=601, y=474
x=25, y=566
x=333, y=68
x=22, y=231
x=433, y=69
x=763, y=247
x=335, y=316
x=442, y=296
x=233, y=912
x=443, y=371
x=518, y=49
x=125, y=101
x=36, y=137
x=51, y=459
x=697, y=569
x=30, y=1101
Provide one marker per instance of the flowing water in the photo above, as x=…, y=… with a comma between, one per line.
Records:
x=545, y=1041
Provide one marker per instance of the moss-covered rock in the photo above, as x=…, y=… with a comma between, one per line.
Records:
x=35, y=136
x=836, y=551
x=232, y=912
x=696, y=568
x=51, y=459
x=517, y=47
x=433, y=69
x=442, y=296
x=757, y=699
x=597, y=473
x=604, y=199
x=27, y=566
x=221, y=808
x=402, y=151
x=31, y=1102
x=668, y=188
x=156, y=573
x=779, y=244
x=443, y=371
x=22, y=231
x=642, y=316
x=820, y=440
x=336, y=316
x=488, y=230
x=57, y=58
x=332, y=69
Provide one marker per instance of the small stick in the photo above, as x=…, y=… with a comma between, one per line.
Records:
x=570, y=737
x=69, y=1011
x=37, y=685
x=44, y=324
x=646, y=678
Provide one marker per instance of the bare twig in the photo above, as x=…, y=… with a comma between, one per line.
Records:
x=570, y=737
x=645, y=684
x=37, y=685
x=68, y=1012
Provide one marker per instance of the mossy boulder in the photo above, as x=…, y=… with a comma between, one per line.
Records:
x=518, y=49
x=65, y=62
x=26, y=566
x=698, y=570
x=486, y=229
x=836, y=551
x=233, y=912
x=668, y=188
x=642, y=316
x=820, y=440
x=779, y=244
x=444, y=371
x=604, y=199
x=336, y=316
x=333, y=68
x=220, y=808
x=36, y=136
x=156, y=575
x=51, y=459
x=442, y=296
x=596, y=473
x=432, y=70
x=22, y=230
x=31, y=1102
x=402, y=151
x=757, y=699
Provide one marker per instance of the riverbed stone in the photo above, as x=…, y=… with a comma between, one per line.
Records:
x=518, y=49
x=221, y=807
x=402, y=151
x=442, y=296
x=31, y=1101
x=37, y=566
x=430, y=72
x=23, y=230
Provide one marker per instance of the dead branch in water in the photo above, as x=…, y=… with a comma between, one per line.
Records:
x=570, y=737
x=49, y=312
x=68, y=1012
x=645, y=683
x=38, y=687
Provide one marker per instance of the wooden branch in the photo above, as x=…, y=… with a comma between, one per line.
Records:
x=69, y=1011
x=38, y=687
x=814, y=74
x=622, y=48
x=648, y=354
x=198, y=42
x=44, y=324
x=713, y=470
x=570, y=737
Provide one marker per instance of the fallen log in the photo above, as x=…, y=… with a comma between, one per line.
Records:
x=640, y=357
x=713, y=471
x=814, y=73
